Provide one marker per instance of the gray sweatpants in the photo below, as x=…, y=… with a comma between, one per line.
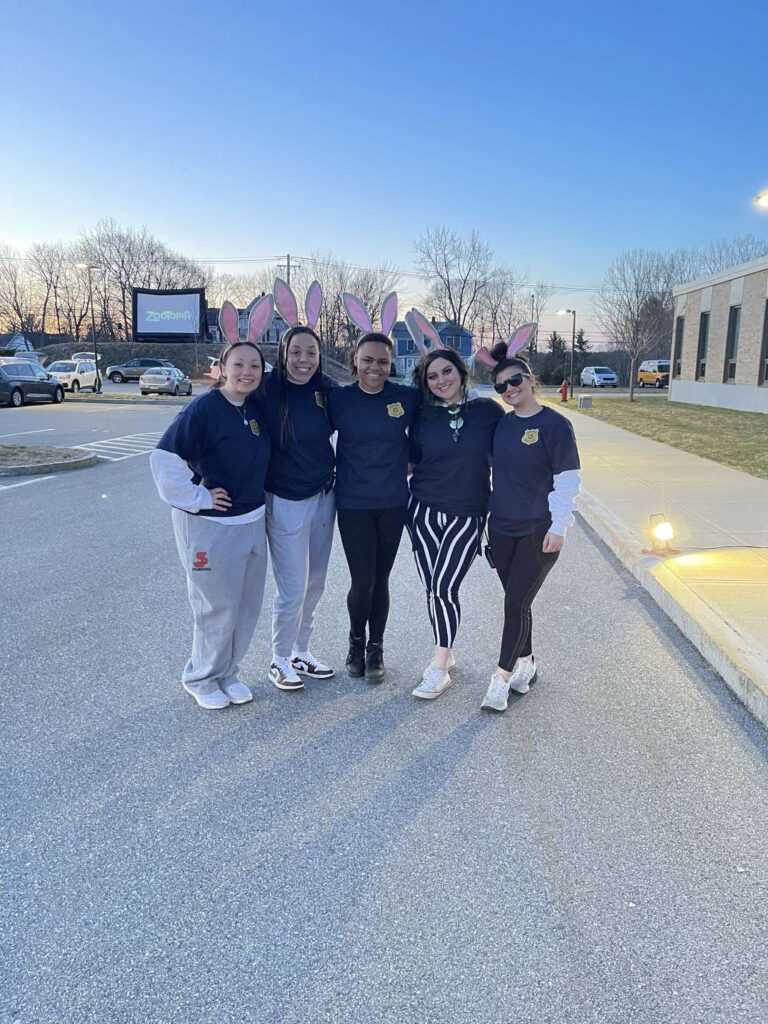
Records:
x=225, y=567
x=300, y=537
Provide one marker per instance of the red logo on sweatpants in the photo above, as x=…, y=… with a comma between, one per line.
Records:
x=201, y=560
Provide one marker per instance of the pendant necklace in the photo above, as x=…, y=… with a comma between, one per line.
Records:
x=456, y=421
x=239, y=409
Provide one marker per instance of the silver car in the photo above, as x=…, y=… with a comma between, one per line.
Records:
x=133, y=369
x=164, y=380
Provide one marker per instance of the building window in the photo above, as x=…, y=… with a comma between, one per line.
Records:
x=732, y=344
x=764, y=350
x=678, y=353
x=701, y=354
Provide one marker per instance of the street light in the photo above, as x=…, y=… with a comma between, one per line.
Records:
x=761, y=199
x=90, y=269
x=560, y=312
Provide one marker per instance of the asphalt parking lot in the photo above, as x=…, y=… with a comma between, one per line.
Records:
x=596, y=855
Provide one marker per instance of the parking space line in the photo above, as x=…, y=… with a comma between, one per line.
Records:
x=44, y=430
x=117, y=449
x=23, y=483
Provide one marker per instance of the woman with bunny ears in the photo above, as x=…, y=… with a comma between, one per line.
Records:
x=210, y=466
x=372, y=417
x=535, y=485
x=300, y=502
x=451, y=442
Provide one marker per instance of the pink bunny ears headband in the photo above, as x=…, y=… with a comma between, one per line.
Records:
x=518, y=339
x=288, y=309
x=420, y=329
x=259, y=320
x=358, y=314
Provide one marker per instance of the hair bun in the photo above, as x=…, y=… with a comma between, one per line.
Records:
x=499, y=351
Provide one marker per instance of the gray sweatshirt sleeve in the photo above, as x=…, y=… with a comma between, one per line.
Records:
x=562, y=500
x=173, y=478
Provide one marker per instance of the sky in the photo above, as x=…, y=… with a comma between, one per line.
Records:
x=563, y=133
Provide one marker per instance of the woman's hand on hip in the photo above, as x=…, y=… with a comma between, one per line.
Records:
x=553, y=543
x=222, y=501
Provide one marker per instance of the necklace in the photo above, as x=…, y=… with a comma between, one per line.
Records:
x=239, y=409
x=456, y=421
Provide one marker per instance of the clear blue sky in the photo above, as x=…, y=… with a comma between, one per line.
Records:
x=563, y=132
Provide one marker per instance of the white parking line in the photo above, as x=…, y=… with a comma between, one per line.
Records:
x=116, y=449
x=37, y=480
x=45, y=430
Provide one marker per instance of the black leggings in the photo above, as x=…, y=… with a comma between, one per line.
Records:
x=522, y=567
x=371, y=538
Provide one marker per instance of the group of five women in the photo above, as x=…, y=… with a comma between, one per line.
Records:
x=251, y=464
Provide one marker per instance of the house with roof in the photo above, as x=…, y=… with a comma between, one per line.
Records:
x=407, y=355
x=213, y=334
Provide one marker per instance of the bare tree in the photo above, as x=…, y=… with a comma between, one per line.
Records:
x=501, y=304
x=130, y=258
x=456, y=270
x=19, y=305
x=728, y=252
x=634, y=303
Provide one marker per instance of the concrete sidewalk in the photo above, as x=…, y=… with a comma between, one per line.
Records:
x=715, y=587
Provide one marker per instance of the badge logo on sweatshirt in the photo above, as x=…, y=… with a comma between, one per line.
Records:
x=320, y=399
x=201, y=561
x=395, y=410
x=255, y=428
x=530, y=436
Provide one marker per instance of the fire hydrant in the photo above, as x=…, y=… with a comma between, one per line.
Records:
x=563, y=391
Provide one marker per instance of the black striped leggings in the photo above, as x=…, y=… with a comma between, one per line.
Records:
x=444, y=548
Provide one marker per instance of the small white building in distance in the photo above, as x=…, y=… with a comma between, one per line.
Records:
x=720, y=339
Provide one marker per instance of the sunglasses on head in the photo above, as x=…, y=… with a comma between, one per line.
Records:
x=511, y=382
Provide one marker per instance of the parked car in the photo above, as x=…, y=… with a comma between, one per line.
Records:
x=654, y=373
x=133, y=369
x=213, y=368
x=86, y=355
x=28, y=382
x=599, y=377
x=165, y=380
x=75, y=374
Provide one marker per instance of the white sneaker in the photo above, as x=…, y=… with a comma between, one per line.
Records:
x=283, y=675
x=209, y=701
x=237, y=692
x=524, y=674
x=496, y=695
x=432, y=684
x=306, y=665
x=451, y=663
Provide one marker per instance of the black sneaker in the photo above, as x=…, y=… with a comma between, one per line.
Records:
x=356, y=657
x=374, y=662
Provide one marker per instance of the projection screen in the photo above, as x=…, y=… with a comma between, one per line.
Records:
x=178, y=312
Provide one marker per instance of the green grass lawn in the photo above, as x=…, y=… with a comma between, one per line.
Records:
x=35, y=454
x=738, y=439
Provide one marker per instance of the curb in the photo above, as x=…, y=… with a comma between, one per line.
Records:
x=744, y=672
x=50, y=467
x=139, y=400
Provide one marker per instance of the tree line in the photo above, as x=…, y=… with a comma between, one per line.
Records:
x=45, y=290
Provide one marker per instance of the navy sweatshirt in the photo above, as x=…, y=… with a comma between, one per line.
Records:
x=528, y=452
x=302, y=462
x=222, y=451
x=372, y=446
x=450, y=476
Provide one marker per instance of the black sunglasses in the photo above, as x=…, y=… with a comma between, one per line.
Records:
x=514, y=381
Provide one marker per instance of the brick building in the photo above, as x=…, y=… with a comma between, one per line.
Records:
x=720, y=339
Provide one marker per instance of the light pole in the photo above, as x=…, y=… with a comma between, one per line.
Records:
x=573, y=339
x=90, y=269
